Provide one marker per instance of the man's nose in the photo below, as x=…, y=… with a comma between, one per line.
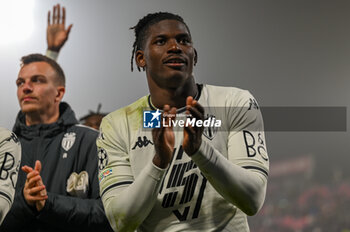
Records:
x=174, y=47
x=27, y=87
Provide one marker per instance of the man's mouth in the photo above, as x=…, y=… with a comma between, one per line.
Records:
x=175, y=62
x=28, y=99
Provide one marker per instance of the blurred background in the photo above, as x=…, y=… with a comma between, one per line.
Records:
x=286, y=53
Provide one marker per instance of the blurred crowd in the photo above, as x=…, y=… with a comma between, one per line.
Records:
x=299, y=204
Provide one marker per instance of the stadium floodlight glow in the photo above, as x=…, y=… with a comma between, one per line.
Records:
x=16, y=20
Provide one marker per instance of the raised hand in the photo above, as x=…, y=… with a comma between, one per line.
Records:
x=34, y=190
x=56, y=32
x=193, y=135
x=164, y=139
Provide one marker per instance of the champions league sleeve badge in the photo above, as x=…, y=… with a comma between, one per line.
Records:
x=102, y=158
x=67, y=142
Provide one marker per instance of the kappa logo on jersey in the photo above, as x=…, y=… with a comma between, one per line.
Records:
x=151, y=119
x=253, y=104
x=68, y=140
x=210, y=131
x=13, y=137
x=102, y=158
x=142, y=143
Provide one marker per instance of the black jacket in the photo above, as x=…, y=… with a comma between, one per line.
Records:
x=59, y=157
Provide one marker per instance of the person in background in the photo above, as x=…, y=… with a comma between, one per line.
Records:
x=57, y=35
x=57, y=189
x=93, y=119
x=56, y=32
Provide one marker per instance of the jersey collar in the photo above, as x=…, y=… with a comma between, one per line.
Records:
x=182, y=109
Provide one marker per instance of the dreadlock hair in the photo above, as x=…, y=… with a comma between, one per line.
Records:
x=92, y=113
x=86, y=120
x=144, y=24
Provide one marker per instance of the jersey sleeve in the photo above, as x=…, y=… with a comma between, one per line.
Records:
x=114, y=162
x=241, y=177
x=246, y=141
x=127, y=200
x=10, y=155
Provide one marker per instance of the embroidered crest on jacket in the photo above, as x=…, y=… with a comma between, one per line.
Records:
x=68, y=140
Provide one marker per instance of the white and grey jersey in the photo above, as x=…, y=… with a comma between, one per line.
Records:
x=10, y=155
x=193, y=193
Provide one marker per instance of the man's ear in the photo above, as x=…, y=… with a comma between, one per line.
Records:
x=140, y=59
x=195, y=57
x=60, y=93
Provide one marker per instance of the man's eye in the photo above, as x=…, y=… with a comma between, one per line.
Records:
x=19, y=83
x=38, y=80
x=160, y=42
x=184, y=41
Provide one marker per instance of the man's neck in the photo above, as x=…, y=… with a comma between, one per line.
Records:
x=174, y=97
x=34, y=118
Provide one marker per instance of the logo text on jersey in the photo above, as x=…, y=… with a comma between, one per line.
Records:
x=7, y=170
x=255, y=144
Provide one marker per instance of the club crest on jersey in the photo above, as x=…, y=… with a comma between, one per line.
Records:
x=210, y=131
x=102, y=158
x=68, y=140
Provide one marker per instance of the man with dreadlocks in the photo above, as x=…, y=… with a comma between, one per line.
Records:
x=175, y=178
